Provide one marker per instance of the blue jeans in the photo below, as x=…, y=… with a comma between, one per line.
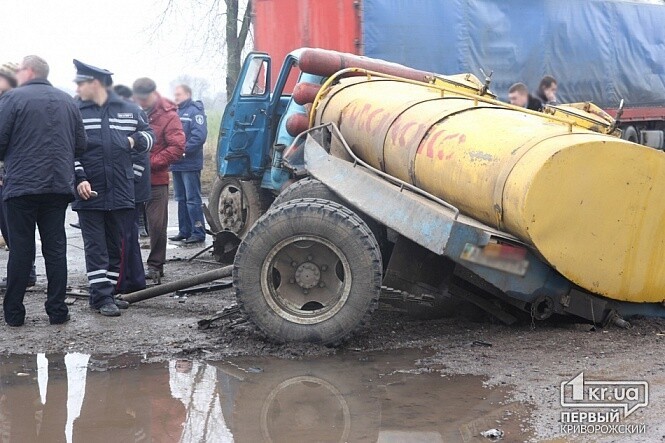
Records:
x=187, y=190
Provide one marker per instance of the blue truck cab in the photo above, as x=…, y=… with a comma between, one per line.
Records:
x=252, y=138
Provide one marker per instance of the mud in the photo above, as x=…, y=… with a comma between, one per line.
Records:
x=531, y=358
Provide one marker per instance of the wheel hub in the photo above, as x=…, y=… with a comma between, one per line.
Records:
x=230, y=209
x=306, y=279
x=308, y=275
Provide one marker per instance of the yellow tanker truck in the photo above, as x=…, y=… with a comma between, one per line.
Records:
x=430, y=187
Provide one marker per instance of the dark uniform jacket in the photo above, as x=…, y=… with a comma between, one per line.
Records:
x=193, y=119
x=107, y=163
x=142, y=187
x=40, y=134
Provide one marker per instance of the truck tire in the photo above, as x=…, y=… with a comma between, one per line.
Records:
x=308, y=271
x=630, y=134
x=235, y=205
x=306, y=188
x=312, y=188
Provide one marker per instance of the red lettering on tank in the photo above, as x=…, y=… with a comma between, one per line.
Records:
x=354, y=113
x=371, y=116
x=351, y=115
x=394, y=131
x=428, y=147
x=353, y=118
x=364, y=111
x=421, y=147
x=402, y=140
x=431, y=141
x=382, y=122
x=430, y=150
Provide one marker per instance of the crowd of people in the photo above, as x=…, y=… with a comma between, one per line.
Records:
x=518, y=94
x=108, y=152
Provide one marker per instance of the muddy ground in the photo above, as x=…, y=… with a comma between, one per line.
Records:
x=533, y=358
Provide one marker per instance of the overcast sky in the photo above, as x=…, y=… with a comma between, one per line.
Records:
x=116, y=35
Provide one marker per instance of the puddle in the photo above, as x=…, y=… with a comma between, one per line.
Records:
x=373, y=397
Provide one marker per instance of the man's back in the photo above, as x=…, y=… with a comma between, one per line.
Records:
x=40, y=129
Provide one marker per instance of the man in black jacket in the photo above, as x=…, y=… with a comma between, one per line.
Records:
x=7, y=83
x=518, y=95
x=40, y=133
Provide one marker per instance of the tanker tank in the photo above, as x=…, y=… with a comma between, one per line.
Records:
x=591, y=204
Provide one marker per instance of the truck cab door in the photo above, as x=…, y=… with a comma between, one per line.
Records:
x=245, y=127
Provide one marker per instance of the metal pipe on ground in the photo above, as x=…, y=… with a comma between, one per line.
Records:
x=188, y=282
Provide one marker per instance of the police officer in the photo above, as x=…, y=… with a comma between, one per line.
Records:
x=187, y=171
x=105, y=179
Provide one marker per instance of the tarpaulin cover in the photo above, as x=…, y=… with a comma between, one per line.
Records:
x=599, y=51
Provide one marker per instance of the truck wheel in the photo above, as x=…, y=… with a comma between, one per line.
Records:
x=306, y=188
x=236, y=204
x=308, y=271
x=312, y=188
x=630, y=134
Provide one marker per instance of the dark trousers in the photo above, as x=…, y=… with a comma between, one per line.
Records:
x=5, y=234
x=47, y=212
x=158, y=218
x=101, y=232
x=132, y=274
x=3, y=219
x=187, y=192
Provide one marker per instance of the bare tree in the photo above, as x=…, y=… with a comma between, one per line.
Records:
x=235, y=41
x=224, y=30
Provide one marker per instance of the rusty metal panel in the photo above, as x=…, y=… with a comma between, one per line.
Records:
x=280, y=26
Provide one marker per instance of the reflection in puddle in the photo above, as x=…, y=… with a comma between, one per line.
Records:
x=382, y=397
x=195, y=385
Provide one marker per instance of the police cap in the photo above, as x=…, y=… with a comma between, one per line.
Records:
x=85, y=72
